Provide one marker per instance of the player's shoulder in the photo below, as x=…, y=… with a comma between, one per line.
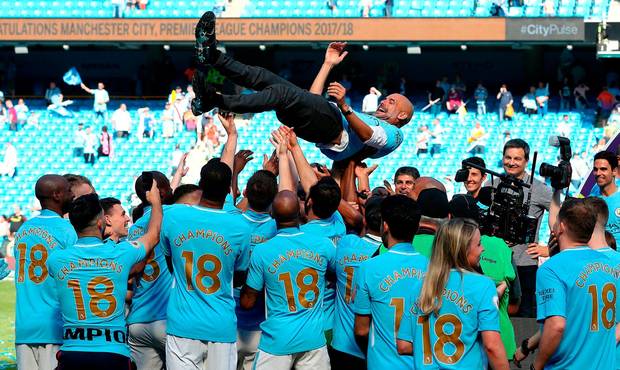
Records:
x=349, y=241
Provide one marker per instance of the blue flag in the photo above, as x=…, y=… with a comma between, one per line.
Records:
x=72, y=77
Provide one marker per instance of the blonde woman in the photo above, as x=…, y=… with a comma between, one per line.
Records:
x=454, y=320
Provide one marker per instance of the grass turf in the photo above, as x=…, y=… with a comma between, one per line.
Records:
x=7, y=325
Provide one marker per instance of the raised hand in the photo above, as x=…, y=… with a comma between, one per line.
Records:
x=361, y=169
x=338, y=92
x=321, y=172
x=335, y=53
x=271, y=163
x=153, y=196
x=292, y=137
x=241, y=159
x=228, y=121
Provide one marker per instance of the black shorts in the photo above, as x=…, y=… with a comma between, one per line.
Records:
x=74, y=360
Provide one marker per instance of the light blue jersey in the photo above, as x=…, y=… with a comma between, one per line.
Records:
x=383, y=291
x=392, y=139
x=451, y=340
x=91, y=279
x=292, y=267
x=615, y=257
x=613, y=223
x=36, y=297
x=333, y=228
x=206, y=246
x=100, y=97
x=352, y=251
x=152, y=288
x=263, y=228
x=581, y=285
x=229, y=205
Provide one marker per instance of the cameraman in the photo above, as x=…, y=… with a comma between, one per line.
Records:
x=516, y=156
x=605, y=170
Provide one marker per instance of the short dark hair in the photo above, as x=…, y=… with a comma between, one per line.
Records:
x=84, y=211
x=140, y=188
x=477, y=161
x=610, y=157
x=183, y=190
x=108, y=203
x=578, y=219
x=215, y=180
x=407, y=170
x=402, y=215
x=372, y=212
x=599, y=207
x=611, y=240
x=518, y=144
x=325, y=196
x=260, y=190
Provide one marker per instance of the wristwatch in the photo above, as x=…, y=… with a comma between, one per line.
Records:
x=347, y=111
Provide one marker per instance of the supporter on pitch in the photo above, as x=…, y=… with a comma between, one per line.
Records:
x=605, y=170
x=574, y=317
x=337, y=130
x=38, y=321
x=447, y=333
x=151, y=288
x=205, y=246
x=116, y=219
x=95, y=334
x=379, y=303
x=294, y=289
x=351, y=252
x=515, y=160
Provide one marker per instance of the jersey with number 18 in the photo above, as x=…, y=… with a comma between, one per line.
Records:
x=451, y=339
x=206, y=246
x=91, y=279
x=292, y=267
x=36, y=297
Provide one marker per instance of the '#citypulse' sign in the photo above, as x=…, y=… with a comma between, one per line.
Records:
x=545, y=29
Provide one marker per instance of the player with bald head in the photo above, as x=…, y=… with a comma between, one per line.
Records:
x=37, y=341
x=339, y=132
x=291, y=268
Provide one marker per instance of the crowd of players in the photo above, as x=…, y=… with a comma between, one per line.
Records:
x=305, y=268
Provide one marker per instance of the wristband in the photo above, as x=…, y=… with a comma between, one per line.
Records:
x=346, y=112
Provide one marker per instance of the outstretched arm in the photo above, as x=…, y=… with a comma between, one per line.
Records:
x=333, y=56
x=307, y=177
x=363, y=131
x=85, y=88
x=280, y=141
x=228, y=154
x=179, y=173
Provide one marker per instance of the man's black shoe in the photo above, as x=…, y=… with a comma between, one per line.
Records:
x=206, y=96
x=205, y=37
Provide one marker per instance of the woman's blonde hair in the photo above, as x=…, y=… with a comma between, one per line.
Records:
x=450, y=249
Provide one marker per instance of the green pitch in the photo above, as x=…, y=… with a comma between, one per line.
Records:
x=7, y=325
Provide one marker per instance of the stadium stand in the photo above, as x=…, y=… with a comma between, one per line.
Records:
x=592, y=9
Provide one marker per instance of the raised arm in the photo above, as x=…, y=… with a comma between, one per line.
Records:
x=280, y=140
x=240, y=160
x=350, y=214
x=306, y=174
x=86, y=88
x=228, y=154
x=179, y=173
x=151, y=237
x=338, y=92
x=333, y=56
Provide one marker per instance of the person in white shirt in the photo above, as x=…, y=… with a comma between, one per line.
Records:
x=9, y=163
x=121, y=121
x=580, y=170
x=91, y=142
x=167, y=120
x=22, y=112
x=371, y=101
x=436, y=137
x=79, y=138
x=101, y=99
x=423, y=139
